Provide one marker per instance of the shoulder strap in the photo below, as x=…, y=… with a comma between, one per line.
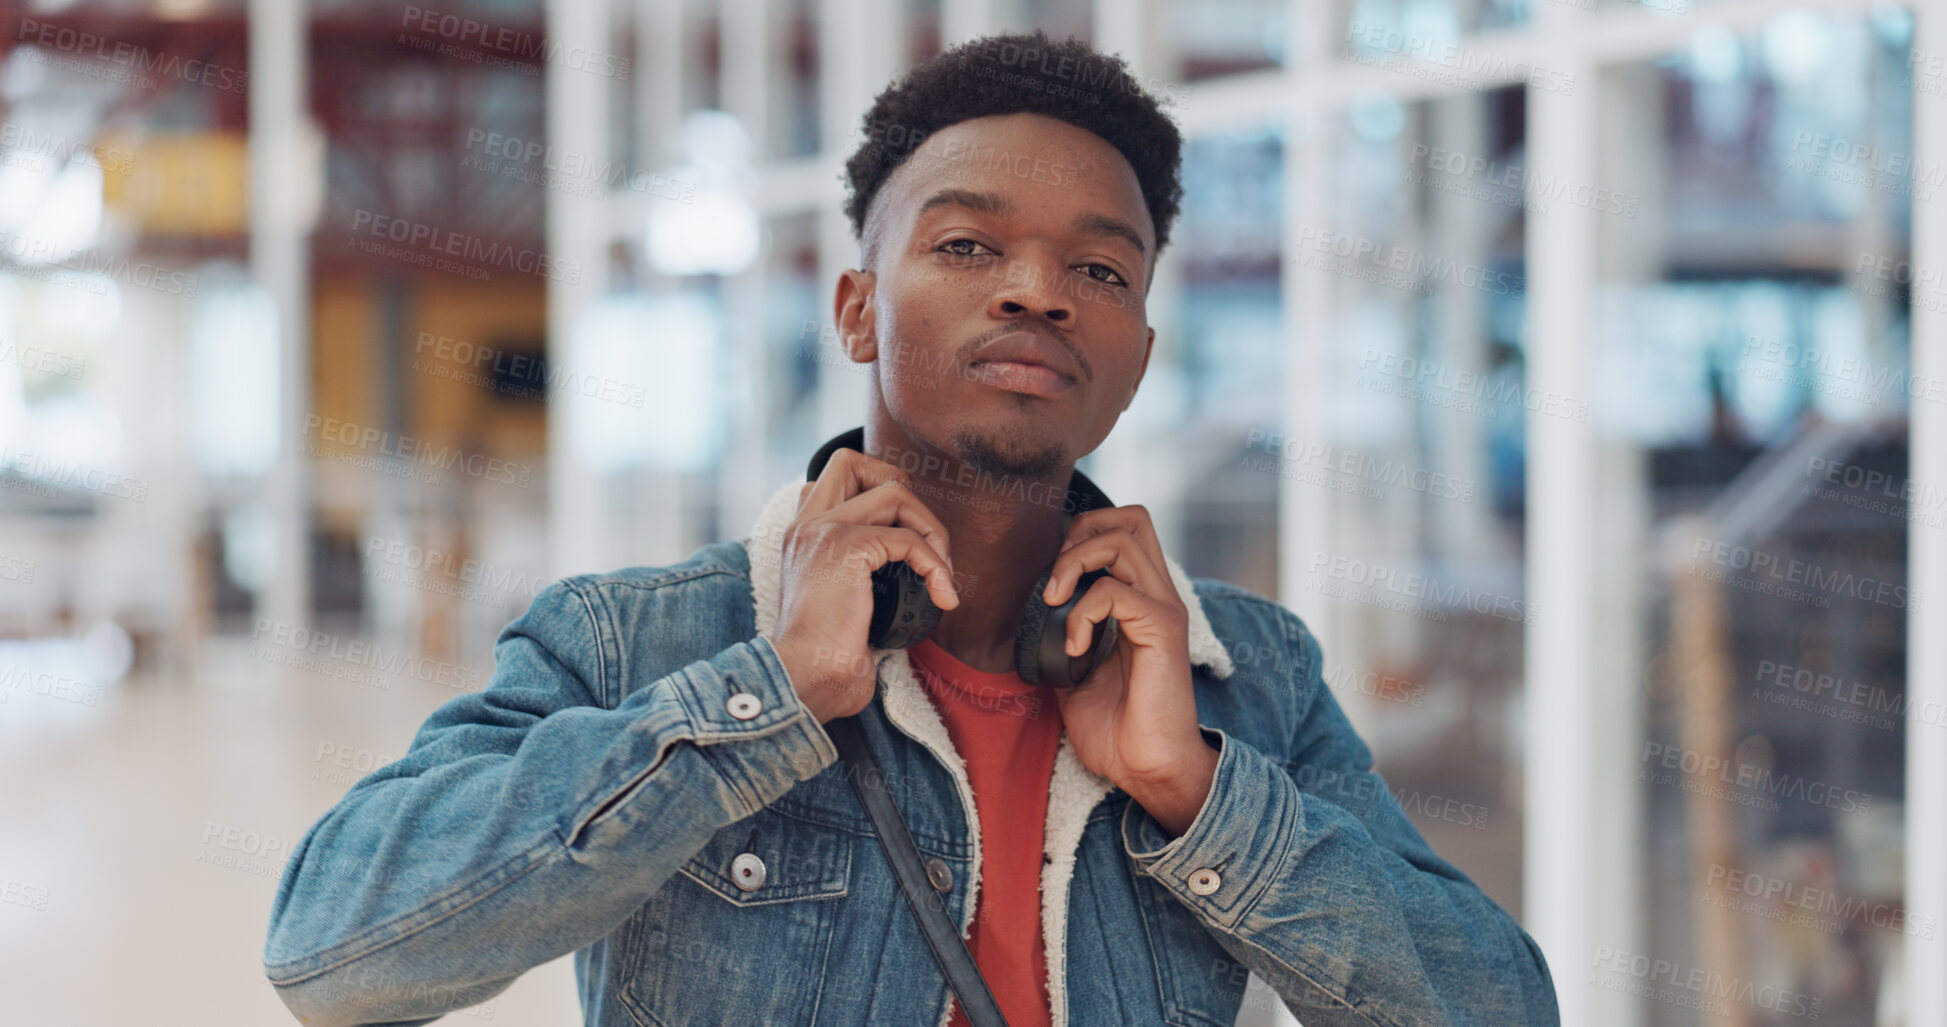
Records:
x=942, y=935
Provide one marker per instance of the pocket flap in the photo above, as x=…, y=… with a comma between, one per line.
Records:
x=797, y=860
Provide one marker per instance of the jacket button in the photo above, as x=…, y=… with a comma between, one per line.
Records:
x=938, y=874
x=747, y=871
x=744, y=705
x=1205, y=881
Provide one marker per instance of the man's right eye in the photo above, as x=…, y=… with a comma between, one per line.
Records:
x=949, y=248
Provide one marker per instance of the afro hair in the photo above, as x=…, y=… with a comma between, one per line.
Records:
x=1015, y=73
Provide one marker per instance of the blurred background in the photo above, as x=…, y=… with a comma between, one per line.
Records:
x=1573, y=367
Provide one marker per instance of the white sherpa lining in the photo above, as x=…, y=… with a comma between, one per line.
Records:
x=1072, y=791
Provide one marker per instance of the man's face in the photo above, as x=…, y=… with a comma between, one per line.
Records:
x=1003, y=243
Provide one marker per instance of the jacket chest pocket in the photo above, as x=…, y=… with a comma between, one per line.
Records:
x=1202, y=984
x=740, y=934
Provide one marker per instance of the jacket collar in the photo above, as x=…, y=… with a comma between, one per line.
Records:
x=1073, y=790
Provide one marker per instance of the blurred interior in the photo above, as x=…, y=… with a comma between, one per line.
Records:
x=1506, y=341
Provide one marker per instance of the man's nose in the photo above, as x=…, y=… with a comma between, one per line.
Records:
x=1032, y=287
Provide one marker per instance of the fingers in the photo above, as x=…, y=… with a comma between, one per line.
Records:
x=1094, y=554
x=902, y=545
x=1124, y=545
x=848, y=473
x=1133, y=518
x=896, y=505
x=1090, y=611
x=1143, y=619
x=871, y=491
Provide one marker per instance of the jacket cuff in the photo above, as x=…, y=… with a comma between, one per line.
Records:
x=742, y=694
x=1231, y=852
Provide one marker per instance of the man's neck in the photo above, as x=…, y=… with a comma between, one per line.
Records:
x=1003, y=533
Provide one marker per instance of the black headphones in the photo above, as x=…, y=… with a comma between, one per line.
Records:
x=902, y=612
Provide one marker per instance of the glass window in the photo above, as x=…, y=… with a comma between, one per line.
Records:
x=1750, y=345
x=1428, y=37
x=1223, y=37
x=795, y=124
x=1421, y=574
x=1058, y=18
x=1228, y=343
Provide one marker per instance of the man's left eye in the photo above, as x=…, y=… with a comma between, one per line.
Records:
x=1113, y=278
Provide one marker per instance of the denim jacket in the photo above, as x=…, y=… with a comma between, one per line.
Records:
x=639, y=784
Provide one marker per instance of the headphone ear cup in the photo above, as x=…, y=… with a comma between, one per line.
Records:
x=1027, y=638
x=1040, y=653
x=902, y=612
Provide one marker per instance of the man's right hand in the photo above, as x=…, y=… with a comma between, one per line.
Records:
x=859, y=515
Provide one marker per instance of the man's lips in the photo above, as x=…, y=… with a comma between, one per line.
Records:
x=1026, y=361
x=1015, y=376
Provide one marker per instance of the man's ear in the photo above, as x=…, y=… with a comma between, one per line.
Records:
x=1149, y=347
x=852, y=313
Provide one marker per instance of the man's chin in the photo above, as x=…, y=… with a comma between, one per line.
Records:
x=1009, y=453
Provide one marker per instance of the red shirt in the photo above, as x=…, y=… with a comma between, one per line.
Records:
x=1007, y=731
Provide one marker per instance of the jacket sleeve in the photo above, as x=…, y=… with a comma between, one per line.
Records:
x=1328, y=893
x=527, y=820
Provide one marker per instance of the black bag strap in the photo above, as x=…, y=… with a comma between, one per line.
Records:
x=942, y=935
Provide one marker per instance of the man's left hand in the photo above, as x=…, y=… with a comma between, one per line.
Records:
x=1134, y=720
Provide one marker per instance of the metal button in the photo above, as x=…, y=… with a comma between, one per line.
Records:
x=1205, y=881
x=748, y=871
x=938, y=874
x=744, y=705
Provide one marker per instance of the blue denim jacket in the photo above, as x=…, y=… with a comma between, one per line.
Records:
x=593, y=797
